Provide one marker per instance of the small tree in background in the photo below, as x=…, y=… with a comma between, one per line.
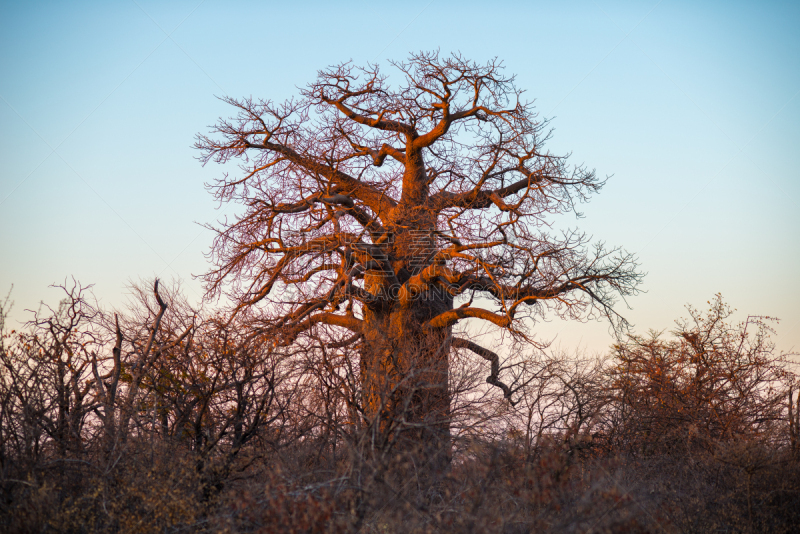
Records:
x=715, y=381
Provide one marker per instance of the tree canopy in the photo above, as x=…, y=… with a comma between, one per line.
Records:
x=372, y=206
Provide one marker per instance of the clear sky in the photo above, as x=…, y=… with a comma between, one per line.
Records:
x=691, y=108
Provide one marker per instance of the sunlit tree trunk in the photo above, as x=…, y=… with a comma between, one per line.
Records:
x=404, y=373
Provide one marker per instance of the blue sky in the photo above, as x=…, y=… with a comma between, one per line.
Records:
x=691, y=108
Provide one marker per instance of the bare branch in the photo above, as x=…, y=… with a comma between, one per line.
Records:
x=491, y=357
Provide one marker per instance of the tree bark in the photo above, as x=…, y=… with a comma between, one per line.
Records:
x=404, y=362
x=405, y=375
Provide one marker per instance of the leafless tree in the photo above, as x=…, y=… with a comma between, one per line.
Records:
x=45, y=396
x=715, y=381
x=389, y=213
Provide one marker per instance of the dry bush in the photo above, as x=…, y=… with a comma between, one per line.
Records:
x=714, y=382
x=210, y=428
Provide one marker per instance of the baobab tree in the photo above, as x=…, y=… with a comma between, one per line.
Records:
x=380, y=215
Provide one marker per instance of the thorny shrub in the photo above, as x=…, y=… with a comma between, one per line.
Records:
x=166, y=418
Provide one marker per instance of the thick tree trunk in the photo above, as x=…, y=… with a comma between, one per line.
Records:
x=404, y=364
x=404, y=373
